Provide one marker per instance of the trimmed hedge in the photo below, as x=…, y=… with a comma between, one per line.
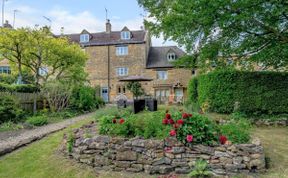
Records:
x=23, y=88
x=256, y=92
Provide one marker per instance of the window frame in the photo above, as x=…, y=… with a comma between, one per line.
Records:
x=160, y=75
x=122, y=50
x=5, y=70
x=84, y=38
x=125, y=35
x=122, y=71
x=169, y=56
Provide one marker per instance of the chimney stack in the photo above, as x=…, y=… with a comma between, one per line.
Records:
x=108, y=26
x=7, y=24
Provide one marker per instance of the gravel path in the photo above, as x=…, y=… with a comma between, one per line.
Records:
x=21, y=138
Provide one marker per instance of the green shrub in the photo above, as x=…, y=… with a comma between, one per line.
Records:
x=192, y=90
x=37, y=120
x=255, y=92
x=84, y=99
x=237, y=131
x=7, y=78
x=9, y=109
x=146, y=124
x=203, y=130
x=22, y=88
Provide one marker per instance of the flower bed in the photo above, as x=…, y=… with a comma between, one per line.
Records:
x=161, y=156
x=187, y=128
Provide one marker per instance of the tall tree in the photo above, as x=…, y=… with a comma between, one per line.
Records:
x=13, y=46
x=45, y=56
x=249, y=31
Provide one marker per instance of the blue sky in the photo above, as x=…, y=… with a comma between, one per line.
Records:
x=76, y=15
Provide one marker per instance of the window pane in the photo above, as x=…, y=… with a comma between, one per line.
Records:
x=123, y=50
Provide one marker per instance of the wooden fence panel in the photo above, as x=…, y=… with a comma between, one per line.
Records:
x=26, y=100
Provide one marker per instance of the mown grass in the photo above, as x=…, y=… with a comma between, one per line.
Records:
x=42, y=160
x=275, y=142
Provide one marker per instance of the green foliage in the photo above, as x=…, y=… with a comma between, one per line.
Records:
x=145, y=124
x=37, y=120
x=135, y=88
x=204, y=130
x=200, y=170
x=84, y=99
x=8, y=126
x=7, y=78
x=237, y=131
x=254, y=31
x=192, y=90
x=9, y=109
x=32, y=50
x=21, y=88
x=253, y=92
x=70, y=141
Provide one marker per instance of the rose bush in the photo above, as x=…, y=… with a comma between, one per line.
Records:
x=187, y=128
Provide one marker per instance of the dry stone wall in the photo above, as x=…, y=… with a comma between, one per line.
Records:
x=161, y=156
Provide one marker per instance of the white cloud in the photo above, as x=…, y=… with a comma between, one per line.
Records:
x=72, y=23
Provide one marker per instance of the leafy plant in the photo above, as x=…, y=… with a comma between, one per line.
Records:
x=70, y=141
x=9, y=109
x=84, y=99
x=203, y=130
x=200, y=169
x=135, y=88
x=237, y=131
x=37, y=120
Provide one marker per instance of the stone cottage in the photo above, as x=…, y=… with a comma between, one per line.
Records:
x=115, y=55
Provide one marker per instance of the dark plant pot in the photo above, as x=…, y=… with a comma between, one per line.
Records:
x=139, y=105
x=151, y=104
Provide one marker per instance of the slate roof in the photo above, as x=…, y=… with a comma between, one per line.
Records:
x=112, y=38
x=158, y=56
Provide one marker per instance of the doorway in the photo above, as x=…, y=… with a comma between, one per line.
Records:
x=104, y=93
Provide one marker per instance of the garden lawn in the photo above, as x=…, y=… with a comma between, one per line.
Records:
x=275, y=142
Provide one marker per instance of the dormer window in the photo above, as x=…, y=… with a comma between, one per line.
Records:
x=84, y=38
x=171, y=56
x=125, y=35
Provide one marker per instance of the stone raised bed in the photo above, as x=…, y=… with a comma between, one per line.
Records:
x=161, y=156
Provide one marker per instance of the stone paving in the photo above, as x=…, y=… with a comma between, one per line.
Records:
x=10, y=141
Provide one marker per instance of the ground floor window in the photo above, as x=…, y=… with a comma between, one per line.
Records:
x=121, y=89
x=5, y=70
x=162, y=95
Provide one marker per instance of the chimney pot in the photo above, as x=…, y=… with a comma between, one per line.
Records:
x=108, y=26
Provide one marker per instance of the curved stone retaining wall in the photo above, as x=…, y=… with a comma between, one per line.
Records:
x=162, y=156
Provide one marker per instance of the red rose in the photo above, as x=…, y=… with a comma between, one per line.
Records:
x=175, y=126
x=165, y=121
x=189, y=138
x=121, y=121
x=180, y=121
x=172, y=133
x=168, y=116
x=190, y=115
x=223, y=139
x=185, y=115
x=171, y=121
x=114, y=121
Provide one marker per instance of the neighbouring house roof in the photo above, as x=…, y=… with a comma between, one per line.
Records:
x=158, y=56
x=112, y=38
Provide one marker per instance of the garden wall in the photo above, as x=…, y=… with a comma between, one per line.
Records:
x=250, y=92
x=160, y=156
